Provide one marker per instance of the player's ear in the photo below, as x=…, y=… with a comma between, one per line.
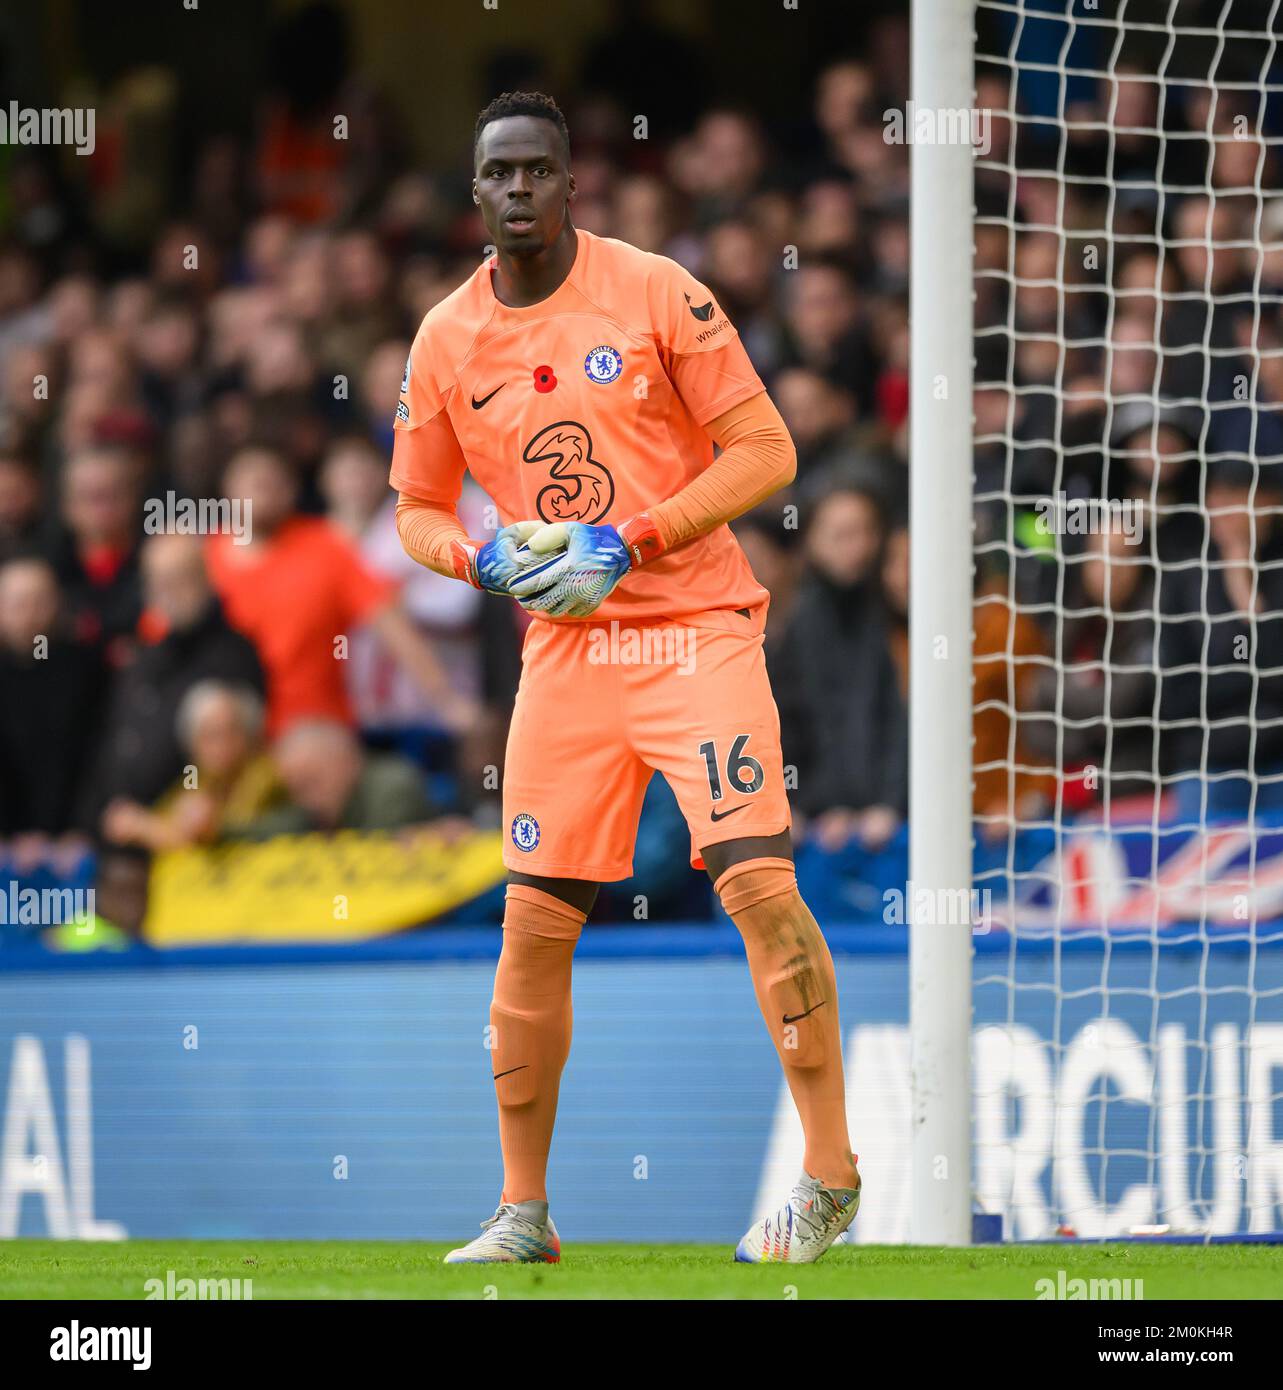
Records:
x=570, y=188
x=476, y=197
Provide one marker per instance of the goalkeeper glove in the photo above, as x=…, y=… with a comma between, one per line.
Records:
x=595, y=559
x=493, y=566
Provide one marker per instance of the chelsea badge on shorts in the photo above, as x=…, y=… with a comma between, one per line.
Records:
x=525, y=832
x=603, y=365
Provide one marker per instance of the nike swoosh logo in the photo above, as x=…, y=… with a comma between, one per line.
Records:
x=510, y=1070
x=794, y=1018
x=485, y=400
x=721, y=815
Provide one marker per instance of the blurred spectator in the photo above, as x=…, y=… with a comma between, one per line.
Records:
x=140, y=752
x=739, y=272
x=821, y=418
x=826, y=331
x=1200, y=330
x=719, y=165
x=1221, y=651
x=1134, y=363
x=1157, y=463
x=50, y=695
x=120, y=893
x=354, y=484
x=362, y=340
x=120, y=904
x=21, y=523
x=97, y=558
x=229, y=782
x=1099, y=680
x=772, y=551
x=1250, y=424
x=300, y=590
x=168, y=342
x=842, y=720
x=334, y=784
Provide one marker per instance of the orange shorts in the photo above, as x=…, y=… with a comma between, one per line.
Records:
x=602, y=706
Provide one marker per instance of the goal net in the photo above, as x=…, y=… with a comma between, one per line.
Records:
x=1128, y=632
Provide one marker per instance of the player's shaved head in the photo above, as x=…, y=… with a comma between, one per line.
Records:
x=538, y=105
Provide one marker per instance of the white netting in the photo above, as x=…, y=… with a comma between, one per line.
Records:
x=1129, y=615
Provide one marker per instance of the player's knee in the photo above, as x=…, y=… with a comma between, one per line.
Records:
x=744, y=888
x=548, y=906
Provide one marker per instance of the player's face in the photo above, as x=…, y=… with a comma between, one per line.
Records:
x=522, y=184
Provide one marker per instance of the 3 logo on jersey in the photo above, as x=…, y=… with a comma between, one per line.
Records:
x=579, y=487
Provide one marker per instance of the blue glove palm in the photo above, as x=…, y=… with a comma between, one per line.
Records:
x=594, y=561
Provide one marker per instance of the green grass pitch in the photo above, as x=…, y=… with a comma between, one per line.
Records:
x=36, y=1269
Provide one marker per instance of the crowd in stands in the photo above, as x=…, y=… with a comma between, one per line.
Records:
x=245, y=340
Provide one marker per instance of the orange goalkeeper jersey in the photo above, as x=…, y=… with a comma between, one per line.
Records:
x=588, y=406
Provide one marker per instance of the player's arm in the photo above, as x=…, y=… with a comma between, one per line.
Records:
x=428, y=465
x=757, y=459
x=432, y=534
x=711, y=373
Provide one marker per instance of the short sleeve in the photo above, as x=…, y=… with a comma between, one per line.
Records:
x=698, y=344
x=427, y=461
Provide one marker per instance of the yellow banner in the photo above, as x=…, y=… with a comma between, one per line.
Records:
x=341, y=887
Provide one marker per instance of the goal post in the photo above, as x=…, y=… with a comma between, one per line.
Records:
x=1096, y=619
x=940, y=624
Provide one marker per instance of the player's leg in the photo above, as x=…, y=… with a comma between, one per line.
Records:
x=714, y=733
x=530, y=1027
x=572, y=795
x=531, y=1019
x=796, y=989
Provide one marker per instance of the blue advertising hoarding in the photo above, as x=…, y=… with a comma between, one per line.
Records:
x=340, y=1093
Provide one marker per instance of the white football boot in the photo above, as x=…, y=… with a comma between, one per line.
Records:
x=518, y=1233
x=802, y=1230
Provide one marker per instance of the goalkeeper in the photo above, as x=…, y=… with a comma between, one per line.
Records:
x=584, y=383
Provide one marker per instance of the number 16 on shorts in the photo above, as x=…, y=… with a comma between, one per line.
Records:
x=743, y=773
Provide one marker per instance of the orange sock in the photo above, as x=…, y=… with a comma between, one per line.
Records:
x=530, y=1021
x=797, y=992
